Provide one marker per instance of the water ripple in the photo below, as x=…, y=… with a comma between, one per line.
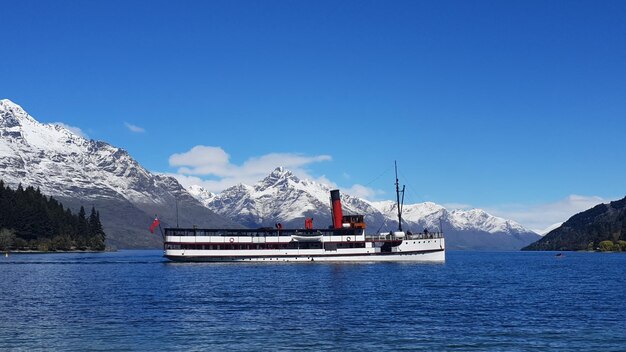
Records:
x=134, y=300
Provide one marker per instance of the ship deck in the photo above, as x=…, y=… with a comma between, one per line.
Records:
x=274, y=232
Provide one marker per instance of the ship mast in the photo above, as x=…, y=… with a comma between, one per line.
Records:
x=398, y=203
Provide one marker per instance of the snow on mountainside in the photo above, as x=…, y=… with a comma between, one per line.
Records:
x=426, y=214
x=85, y=172
x=283, y=197
x=280, y=197
x=479, y=219
x=201, y=194
x=64, y=164
x=548, y=229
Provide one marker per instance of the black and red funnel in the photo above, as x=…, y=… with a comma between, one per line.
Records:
x=335, y=201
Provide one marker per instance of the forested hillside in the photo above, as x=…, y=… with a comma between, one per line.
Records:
x=602, y=227
x=30, y=220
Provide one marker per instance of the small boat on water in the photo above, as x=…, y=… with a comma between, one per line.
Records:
x=345, y=240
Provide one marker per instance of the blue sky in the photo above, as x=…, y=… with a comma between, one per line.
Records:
x=518, y=107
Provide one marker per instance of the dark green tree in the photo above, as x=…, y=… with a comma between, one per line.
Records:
x=96, y=232
x=39, y=222
x=82, y=230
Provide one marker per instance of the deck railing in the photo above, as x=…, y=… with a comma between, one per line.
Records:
x=290, y=232
x=257, y=232
x=407, y=236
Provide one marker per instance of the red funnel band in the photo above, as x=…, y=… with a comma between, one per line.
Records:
x=336, y=204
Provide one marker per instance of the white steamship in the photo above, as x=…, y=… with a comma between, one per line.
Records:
x=345, y=241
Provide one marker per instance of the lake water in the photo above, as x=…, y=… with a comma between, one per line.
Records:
x=136, y=300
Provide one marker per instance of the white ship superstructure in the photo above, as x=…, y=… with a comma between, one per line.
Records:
x=300, y=245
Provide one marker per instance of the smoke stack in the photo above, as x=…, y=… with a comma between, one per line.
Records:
x=335, y=200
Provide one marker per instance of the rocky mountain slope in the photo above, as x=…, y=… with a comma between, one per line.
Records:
x=587, y=229
x=78, y=172
x=283, y=197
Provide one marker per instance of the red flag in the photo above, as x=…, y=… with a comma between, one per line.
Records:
x=155, y=223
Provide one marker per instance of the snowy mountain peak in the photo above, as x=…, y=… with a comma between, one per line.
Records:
x=12, y=115
x=85, y=172
x=201, y=194
x=63, y=163
x=465, y=219
x=281, y=172
x=279, y=176
x=22, y=131
x=7, y=104
x=283, y=197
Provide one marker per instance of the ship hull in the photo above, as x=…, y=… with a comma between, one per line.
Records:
x=425, y=256
x=432, y=250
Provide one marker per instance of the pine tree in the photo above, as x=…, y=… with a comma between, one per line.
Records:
x=96, y=234
x=82, y=229
x=92, y=225
x=39, y=222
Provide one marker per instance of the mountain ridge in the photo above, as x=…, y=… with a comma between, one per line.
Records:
x=585, y=230
x=283, y=197
x=78, y=171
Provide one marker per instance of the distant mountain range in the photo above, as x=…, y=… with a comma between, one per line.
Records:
x=77, y=171
x=587, y=229
x=283, y=197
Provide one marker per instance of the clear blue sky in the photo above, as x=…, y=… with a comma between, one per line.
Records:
x=483, y=103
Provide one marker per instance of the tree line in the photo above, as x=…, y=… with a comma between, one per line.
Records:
x=29, y=220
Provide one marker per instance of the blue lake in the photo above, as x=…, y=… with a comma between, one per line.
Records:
x=136, y=300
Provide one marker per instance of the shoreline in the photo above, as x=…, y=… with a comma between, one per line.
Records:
x=51, y=252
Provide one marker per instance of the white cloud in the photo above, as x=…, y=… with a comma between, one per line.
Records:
x=73, y=129
x=541, y=217
x=203, y=160
x=134, y=128
x=363, y=192
x=209, y=161
x=211, y=168
x=210, y=185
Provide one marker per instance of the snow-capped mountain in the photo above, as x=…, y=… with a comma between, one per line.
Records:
x=201, y=194
x=283, y=197
x=549, y=229
x=85, y=172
